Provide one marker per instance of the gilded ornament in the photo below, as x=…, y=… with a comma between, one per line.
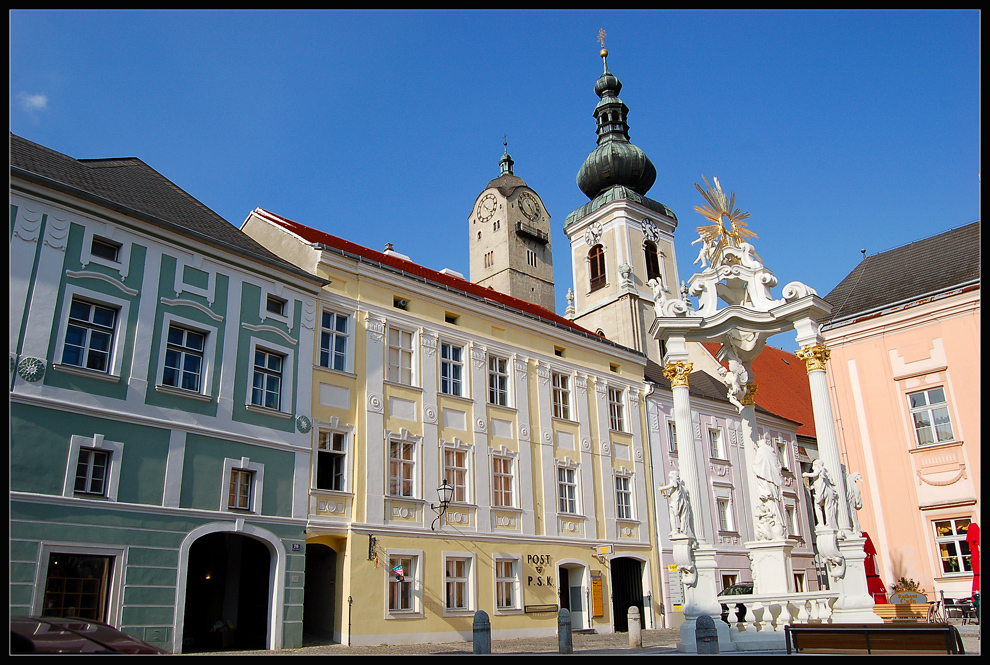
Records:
x=749, y=399
x=677, y=373
x=715, y=238
x=814, y=356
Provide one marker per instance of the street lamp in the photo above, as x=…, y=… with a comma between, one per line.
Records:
x=445, y=492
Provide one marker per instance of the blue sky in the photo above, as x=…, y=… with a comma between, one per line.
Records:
x=838, y=131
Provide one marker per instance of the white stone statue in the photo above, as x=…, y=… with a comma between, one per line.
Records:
x=769, y=479
x=825, y=495
x=679, y=504
x=855, y=501
x=707, y=244
x=735, y=378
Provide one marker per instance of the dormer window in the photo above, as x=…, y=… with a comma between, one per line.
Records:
x=105, y=249
x=275, y=305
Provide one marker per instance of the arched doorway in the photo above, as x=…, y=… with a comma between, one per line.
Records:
x=320, y=597
x=627, y=591
x=228, y=594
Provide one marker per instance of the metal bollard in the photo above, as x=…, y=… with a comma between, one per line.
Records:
x=564, y=642
x=635, y=628
x=705, y=635
x=482, y=633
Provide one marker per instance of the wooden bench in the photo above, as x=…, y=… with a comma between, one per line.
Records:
x=902, y=611
x=879, y=638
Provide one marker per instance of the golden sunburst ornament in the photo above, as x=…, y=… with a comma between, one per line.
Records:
x=721, y=211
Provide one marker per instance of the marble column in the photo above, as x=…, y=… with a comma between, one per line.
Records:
x=693, y=553
x=842, y=549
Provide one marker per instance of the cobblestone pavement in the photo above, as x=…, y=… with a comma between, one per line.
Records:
x=654, y=641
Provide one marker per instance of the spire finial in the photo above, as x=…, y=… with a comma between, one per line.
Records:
x=506, y=162
x=604, y=51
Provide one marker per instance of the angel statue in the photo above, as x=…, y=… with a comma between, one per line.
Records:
x=825, y=495
x=769, y=478
x=678, y=504
x=855, y=501
x=707, y=240
x=735, y=378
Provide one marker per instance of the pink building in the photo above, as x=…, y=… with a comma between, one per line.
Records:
x=904, y=336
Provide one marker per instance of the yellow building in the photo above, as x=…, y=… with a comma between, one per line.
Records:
x=538, y=426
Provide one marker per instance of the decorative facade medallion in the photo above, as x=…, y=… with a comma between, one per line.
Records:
x=678, y=373
x=31, y=369
x=303, y=424
x=814, y=356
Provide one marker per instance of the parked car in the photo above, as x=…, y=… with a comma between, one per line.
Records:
x=72, y=635
x=741, y=589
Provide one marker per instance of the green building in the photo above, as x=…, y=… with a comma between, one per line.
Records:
x=160, y=389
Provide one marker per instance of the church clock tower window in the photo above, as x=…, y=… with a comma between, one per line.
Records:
x=652, y=261
x=596, y=267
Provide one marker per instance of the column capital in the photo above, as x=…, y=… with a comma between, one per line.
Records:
x=749, y=399
x=677, y=373
x=814, y=356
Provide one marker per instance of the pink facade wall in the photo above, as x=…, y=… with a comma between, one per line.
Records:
x=912, y=493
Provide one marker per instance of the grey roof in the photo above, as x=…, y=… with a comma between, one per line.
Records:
x=130, y=186
x=921, y=269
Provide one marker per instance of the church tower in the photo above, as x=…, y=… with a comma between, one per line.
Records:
x=620, y=240
x=510, y=239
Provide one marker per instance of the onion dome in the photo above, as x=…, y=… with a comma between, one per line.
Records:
x=616, y=161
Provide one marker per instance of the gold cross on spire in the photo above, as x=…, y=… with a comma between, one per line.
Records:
x=601, y=37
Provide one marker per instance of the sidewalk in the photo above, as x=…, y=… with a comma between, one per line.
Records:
x=654, y=642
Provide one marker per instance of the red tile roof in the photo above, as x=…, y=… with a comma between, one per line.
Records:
x=783, y=387
x=446, y=280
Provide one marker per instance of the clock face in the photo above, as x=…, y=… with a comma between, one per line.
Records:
x=529, y=205
x=487, y=207
x=650, y=230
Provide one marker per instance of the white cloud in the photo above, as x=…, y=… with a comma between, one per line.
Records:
x=32, y=103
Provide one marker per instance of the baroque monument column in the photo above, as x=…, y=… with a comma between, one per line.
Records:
x=694, y=555
x=842, y=548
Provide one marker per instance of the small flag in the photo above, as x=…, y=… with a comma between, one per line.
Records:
x=399, y=574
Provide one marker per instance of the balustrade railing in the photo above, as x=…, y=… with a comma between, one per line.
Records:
x=771, y=612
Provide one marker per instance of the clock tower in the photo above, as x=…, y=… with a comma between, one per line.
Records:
x=622, y=242
x=510, y=239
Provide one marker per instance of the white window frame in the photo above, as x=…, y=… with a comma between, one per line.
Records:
x=616, y=409
x=114, y=449
x=513, y=583
x=449, y=385
x=123, y=254
x=716, y=443
x=115, y=360
x=257, y=471
x=411, y=577
x=723, y=513
x=504, y=457
x=671, y=436
x=499, y=381
x=114, y=584
x=334, y=335
x=344, y=455
x=568, y=503
x=287, y=385
x=286, y=317
x=463, y=582
x=412, y=463
x=624, y=487
x=952, y=539
x=402, y=352
x=929, y=408
x=458, y=476
x=560, y=387
x=209, y=353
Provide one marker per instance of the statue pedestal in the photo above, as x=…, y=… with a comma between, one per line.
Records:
x=770, y=561
x=855, y=603
x=701, y=598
